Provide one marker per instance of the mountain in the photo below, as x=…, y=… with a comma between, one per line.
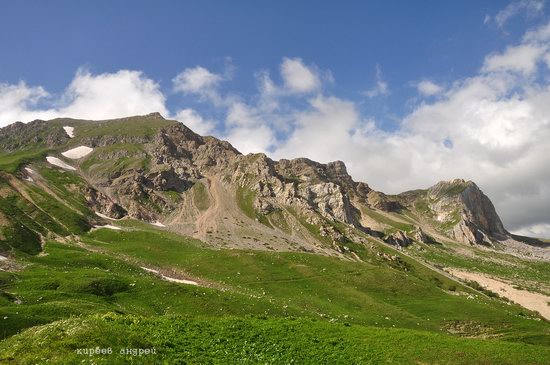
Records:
x=156, y=170
x=140, y=220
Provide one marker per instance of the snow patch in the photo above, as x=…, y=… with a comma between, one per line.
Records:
x=30, y=171
x=57, y=162
x=158, y=224
x=181, y=281
x=77, y=152
x=149, y=270
x=168, y=278
x=3, y=258
x=69, y=131
x=29, y=179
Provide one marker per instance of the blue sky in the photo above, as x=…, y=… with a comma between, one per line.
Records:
x=406, y=93
x=44, y=43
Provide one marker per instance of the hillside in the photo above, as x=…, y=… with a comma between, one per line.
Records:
x=142, y=221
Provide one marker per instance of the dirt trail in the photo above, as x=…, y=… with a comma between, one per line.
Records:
x=533, y=301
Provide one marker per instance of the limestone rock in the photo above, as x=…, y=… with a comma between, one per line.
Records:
x=103, y=204
x=398, y=238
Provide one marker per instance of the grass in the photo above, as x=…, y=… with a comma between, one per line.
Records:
x=200, y=196
x=251, y=340
x=12, y=162
x=277, y=219
x=74, y=221
x=245, y=201
x=313, y=229
x=172, y=196
x=388, y=221
x=70, y=281
x=67, y=185
x=139, y=126
x=318, y=286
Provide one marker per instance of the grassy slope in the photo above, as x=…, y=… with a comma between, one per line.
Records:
x=70, y=281
x=133, y=126
x=325, y=287
x=253, y=340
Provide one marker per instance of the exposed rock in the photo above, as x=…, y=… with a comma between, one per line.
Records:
x=37, y=133
x=468, y=212
x=167, y=180
x=420, y=236
x=398, y=238
x=103, y=204
x=381, y=201
x=332, y=233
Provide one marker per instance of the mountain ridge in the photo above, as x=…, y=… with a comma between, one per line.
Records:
x=148, y=168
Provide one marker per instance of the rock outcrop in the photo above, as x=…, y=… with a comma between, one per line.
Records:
x=467, y=213
x=398, y=238
x=103, y=204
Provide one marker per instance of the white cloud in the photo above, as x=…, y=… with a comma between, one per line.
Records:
x=298, y=77
x=112, y=95
x=530, y=8
x=428, y=88
x=102, y=96
x=247, y=128
x=536, y=230
x=522, y=59
x=380, y=87
x=251, y=139
x=16, y=101
x=195, y=121
x=322, y=132
x=196, y=80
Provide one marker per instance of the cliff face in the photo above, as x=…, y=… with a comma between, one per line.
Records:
x=152, y=169
x=467, y=212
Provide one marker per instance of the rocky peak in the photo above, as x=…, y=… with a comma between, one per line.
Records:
x=468, y=213
x=480, y=210
x=155, y=115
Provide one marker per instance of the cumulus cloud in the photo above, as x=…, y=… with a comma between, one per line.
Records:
x=380, y=88
x=298, y=77
x=530, y=8
x=17, y=100
x=102, y=96
x=199, y=81
x=195, y=80
x=193, y=120
x=428, y=88
x=522, y=59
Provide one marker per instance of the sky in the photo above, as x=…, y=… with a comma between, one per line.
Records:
x=405, y=93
